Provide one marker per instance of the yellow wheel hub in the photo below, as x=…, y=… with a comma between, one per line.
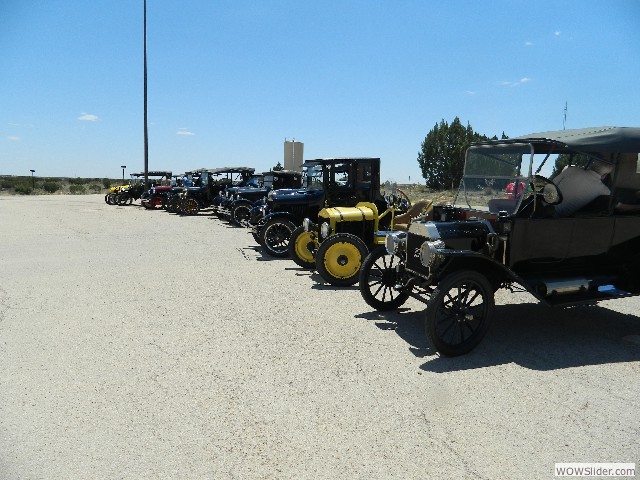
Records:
x=342, y=260
x=301, y=246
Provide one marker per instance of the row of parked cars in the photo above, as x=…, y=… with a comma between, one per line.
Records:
x=572, y=239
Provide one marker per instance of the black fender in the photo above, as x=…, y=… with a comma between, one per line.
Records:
x=239, y=202
x=284, y=215
x=495, y=271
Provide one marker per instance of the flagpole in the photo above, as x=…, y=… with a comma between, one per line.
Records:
x=146, y=134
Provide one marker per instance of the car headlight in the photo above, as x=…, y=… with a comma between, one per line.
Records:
x=430, y=253
x=395, y=242
x=391, y=244
x=325, y=230
x=306, y=224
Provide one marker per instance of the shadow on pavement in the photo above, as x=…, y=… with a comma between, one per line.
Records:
x=530, y=335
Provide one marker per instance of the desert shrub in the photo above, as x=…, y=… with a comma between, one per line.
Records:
x=77, y=189
x=95, y=188
x=23, y=188
x=50, y=186
x=6, y=183
x=106, y=183
x=79, y=181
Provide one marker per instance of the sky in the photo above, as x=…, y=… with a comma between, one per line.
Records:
x=230, y=80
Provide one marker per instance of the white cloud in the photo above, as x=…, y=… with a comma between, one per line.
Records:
x=88, y=117
x=185, y=132
x=528, y=44
x=13, y=138
x=516, y=84
x=470, y=92
x=557, y=33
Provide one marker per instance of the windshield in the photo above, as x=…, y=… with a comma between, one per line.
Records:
x=496, y=176
x=313, y=176
x=268, y=180
x=254, y=182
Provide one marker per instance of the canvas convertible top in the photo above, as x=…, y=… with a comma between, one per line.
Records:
x=592, y=139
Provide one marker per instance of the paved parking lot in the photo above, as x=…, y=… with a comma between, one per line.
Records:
x=140, y=344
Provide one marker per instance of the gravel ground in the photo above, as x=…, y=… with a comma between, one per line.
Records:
x=140, y=344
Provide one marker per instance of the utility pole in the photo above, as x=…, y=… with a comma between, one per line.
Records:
x=146, y=134
x=564, y=120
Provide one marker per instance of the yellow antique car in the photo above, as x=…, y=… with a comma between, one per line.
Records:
x=343, y=236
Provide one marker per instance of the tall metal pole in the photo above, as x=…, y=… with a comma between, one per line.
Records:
x=146, y=135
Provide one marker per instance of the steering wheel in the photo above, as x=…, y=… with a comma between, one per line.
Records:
x=546, y=189
x=398, y=200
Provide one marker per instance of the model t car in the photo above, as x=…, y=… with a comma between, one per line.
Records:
x=336, y=242
x=209, y=184
x=570, y=239
x=135, y=189
x=327, y=182
x=236, y=202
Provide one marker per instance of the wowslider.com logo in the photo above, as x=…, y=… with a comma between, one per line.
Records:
x=595, y=470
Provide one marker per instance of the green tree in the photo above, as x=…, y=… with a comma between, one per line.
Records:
x=442, y=153
x=277, y=168
x=564, y=159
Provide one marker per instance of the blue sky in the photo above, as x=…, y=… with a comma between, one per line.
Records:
x=228, y=81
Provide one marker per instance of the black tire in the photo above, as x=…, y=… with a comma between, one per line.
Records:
x=123, y=198
x=459, y=312
x=378, y=281
x=170, y=204
x=302, y=248
x=106, y=198
x=240, y=213
x=111, y=199
x=190, y=206
x=275, y=235
x=339, y=258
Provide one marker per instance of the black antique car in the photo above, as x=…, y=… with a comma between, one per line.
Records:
x=210, y=182
x=570, y=238
x=237, y=202
x=327, y=182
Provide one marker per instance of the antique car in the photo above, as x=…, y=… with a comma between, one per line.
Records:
x=338, y=240
x=570, y=239
x=155, y=197
x=209, y=184
x=238, y=201
x=327, y=182
x=135, y=189
x=220, y=204
x=171, y=196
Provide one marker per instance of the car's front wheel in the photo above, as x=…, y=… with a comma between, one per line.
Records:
x=190, y=206
x=302, y=248
x=240, y=213
x=339, y=259
x=459, y=312
x=275, y=236
x=379, y=281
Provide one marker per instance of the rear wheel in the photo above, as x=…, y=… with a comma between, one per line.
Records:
x=339, y=258
x=459, y=312
x=155, y=202
x=275, y=235
x=302, y=248
x=379, y=281
x=123, y=199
